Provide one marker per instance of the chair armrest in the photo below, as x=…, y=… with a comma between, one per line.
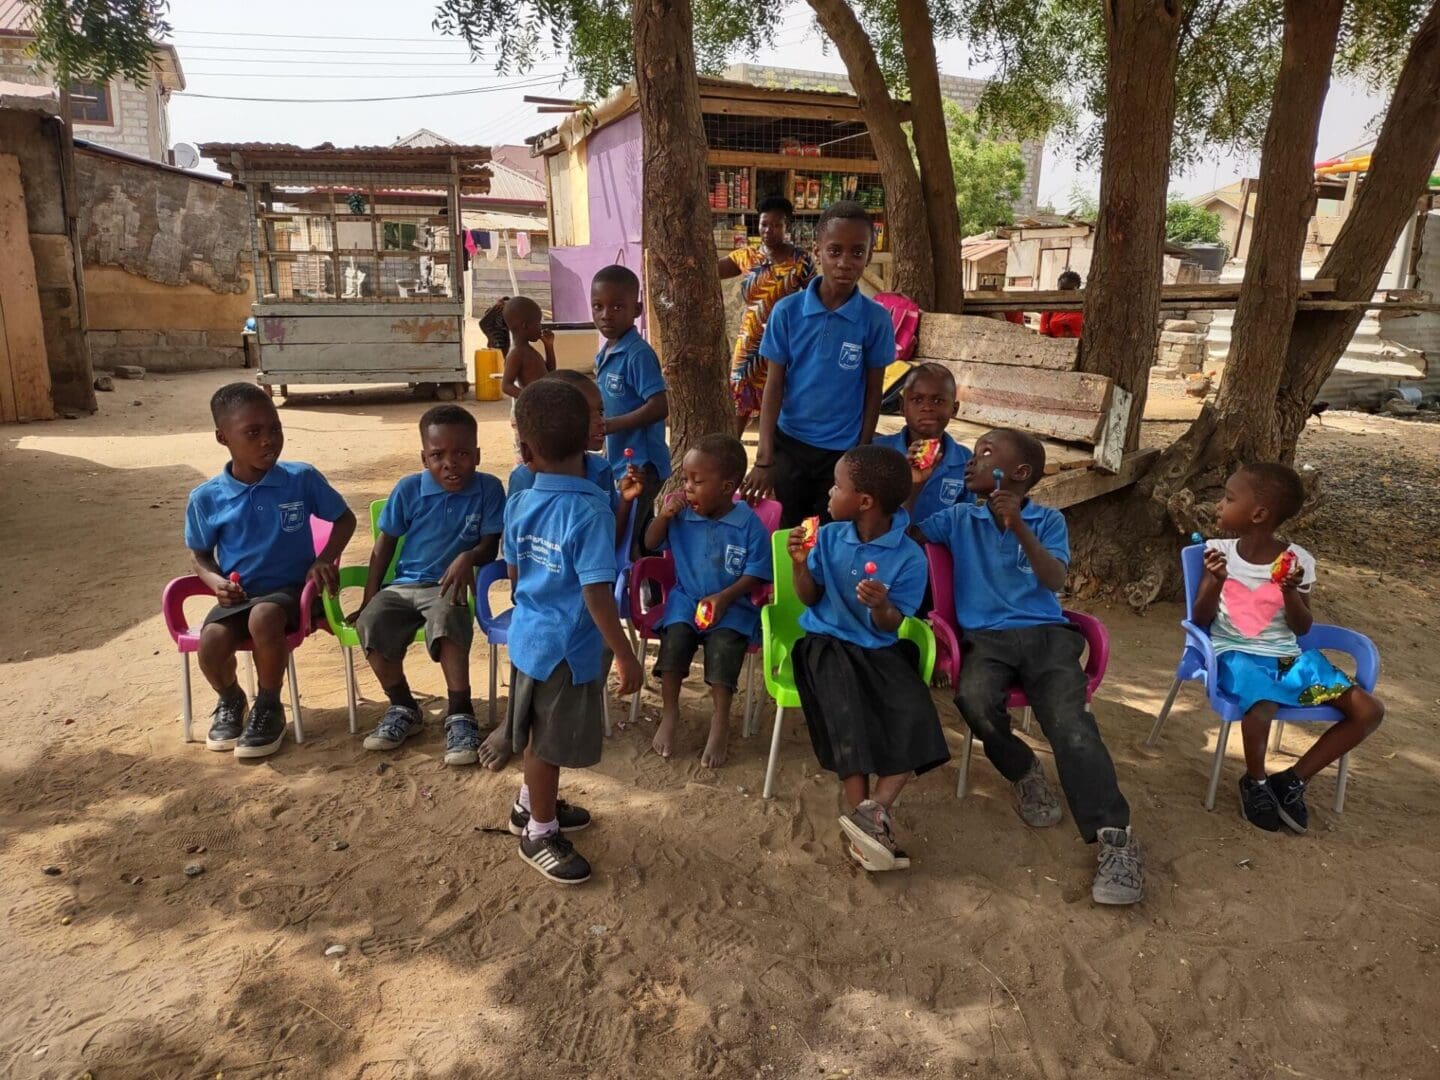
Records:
x=1098, y=639
x=947, y=648
x=484, y=578
x=919, y=632
x=351, y=577
x=1356, y=644
x=1199, y=640
x=172, y=603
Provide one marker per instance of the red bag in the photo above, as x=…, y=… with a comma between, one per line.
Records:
x=905, y=318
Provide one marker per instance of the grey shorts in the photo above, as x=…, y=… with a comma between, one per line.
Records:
x=561, y=722
x=724, y=653
x=236, y=619
x=389, y=621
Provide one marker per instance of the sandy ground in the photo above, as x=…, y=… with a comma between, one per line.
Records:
x=722, y=936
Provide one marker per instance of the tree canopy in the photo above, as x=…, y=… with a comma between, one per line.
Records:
x=98, y=39
x=988, y=173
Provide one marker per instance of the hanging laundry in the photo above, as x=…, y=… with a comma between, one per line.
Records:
x=470, y=245
x=492, y=249
x=522, y=244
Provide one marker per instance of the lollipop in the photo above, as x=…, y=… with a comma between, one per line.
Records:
x=235, y=577
x=629, y=451
x=999, y=476
x=870, y=568
x=1196, y=538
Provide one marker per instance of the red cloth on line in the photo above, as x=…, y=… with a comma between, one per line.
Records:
x=1062, y=324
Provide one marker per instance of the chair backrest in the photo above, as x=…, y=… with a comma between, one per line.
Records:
x=1192, y=565
x=767, y=510
x=485, y=577
x=660, y=571
x=376, y=509
x=785, y=606
x=942, y=581
x=320, y=531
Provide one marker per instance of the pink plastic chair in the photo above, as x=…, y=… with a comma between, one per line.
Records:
x=187, y=638
x=948, y=655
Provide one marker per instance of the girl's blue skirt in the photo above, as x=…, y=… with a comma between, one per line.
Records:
x=1304, y=680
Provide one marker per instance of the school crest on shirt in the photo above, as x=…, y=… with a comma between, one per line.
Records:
x=849, y=355
x=952, y=489
x=292, y=516
x=1022, y=561
x=471, y=531
x=614, y=382
x=735, y=559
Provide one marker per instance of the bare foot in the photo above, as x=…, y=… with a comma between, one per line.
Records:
x=717, y=747
x=664, y=741
x=495, y=750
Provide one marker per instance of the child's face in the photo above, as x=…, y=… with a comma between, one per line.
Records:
x=597, y=415
x=844, y=251
x=614, y=308
x=1240, y=507
x=254, y=436
x=929, y=403
x=448, y=452
x=993, y=452
x=706, y=490
x=846, y=504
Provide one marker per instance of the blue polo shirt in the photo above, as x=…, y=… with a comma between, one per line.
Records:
x=946, y=485
x=710, y=555
x=437, y=525
x=826, y=355
x=837, y=563
x=628, y=374
x=597, y=471
x=995, y=585
x=262, y=530
x=559, y=537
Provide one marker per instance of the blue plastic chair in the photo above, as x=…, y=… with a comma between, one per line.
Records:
x=1197, y=663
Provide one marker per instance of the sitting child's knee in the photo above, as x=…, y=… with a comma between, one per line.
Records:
x=267, y=622
x=1369, y=711
x=976, y=705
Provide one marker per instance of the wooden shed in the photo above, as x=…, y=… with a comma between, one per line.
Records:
x=358, y=260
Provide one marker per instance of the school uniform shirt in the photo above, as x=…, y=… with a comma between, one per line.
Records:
x=262, y=530
x=437, y=525
x=946, y=485
x=837, y=563
x=710, y=555
x=628, y=374
x=1251, y=616
x=597, y=471
x=826, y=356
x=559, y=537
x=996, y=588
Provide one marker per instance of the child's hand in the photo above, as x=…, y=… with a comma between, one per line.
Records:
x=672, y=505
x=758, y=484
x=627, y=674
x=918, y=476
x=795, y=545
x=632, y=484
x=1216, y=564
x=459, y=578
x=230, y=593
x=324, y=575
x=1294, y=578
x=547, y=337
x=1005, y=505
x=873, y=594
x=721, y=605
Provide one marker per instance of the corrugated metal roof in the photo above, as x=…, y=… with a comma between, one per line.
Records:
x=329, y=162
x=16, y=16
x=975, y=250
x=510, y=185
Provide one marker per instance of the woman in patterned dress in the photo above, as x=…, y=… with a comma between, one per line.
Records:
x=774, y=271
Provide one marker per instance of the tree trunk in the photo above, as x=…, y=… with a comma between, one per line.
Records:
x=1403, y=159
x=932, y=147
x=683, y=292
x=906, y=223
x=1122, y=298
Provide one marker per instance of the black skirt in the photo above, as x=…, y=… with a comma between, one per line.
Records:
x=868, y=710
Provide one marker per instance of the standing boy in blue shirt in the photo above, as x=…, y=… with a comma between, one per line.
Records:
x=1011, y=557
x=448, y=519
x=928, y=400
x=631, y=387
x=248, y=531
x=560, y=551
x=827, y=348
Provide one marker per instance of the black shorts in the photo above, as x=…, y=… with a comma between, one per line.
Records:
x=803, y=477
x=724, y=653
x=236, y=619
x=562, y=722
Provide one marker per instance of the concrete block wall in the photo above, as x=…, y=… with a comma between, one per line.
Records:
x=167, y=350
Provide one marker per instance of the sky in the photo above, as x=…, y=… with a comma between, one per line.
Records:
x=380, y=49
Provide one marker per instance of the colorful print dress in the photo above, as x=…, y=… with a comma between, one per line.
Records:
x=763, y=285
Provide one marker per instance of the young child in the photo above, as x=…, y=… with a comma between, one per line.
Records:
x=827, y=348
x=1254, y=620
x=523, y=363
x=722, y=554
x=248, y=531
x=928, y=400
x=449, y=518
x=631, y=388
x=560, y=551
x=1011, y=557
x=1064, y=324
x=866, y=706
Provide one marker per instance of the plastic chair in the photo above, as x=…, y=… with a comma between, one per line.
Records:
x=780, y=629
x=947, y=643
x=495, y=627
x=187, y=638
x=1198, y=663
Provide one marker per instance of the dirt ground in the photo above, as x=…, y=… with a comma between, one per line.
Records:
x=722, y=936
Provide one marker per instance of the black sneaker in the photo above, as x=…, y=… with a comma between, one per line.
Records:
x=556, y=858
x=1289, y=792
x=264, y=730
x=1258, y=805
x=227, y=721
x=571, y=818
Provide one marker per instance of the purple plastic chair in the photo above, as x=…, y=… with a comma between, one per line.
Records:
x=1197, y=662
x=187, y=638
x=948, y=653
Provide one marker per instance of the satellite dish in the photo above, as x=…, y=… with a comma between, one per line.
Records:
x=185, y=156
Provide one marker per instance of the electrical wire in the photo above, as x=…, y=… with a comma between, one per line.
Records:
x=346, y=100
x=285, y=75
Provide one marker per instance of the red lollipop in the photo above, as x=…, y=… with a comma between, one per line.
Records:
x=870, y=568
x=235, y=576
x=629, y=451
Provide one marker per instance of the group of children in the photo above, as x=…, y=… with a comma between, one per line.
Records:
x=860, y=575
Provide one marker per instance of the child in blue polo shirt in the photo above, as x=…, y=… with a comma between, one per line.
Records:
x=248, y=531
x=868, y=710
x=1011, y=557
x=631, y=387
x=448, y=519
x=827, y=348
x=928, y=400
x=560, y=551
x=722, y=554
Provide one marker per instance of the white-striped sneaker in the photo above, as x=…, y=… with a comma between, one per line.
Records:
x=556, y=858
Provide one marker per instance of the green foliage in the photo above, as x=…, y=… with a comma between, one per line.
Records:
x=988, y=173
x=1084, y=203
x=98, y=39
x=1187, y=224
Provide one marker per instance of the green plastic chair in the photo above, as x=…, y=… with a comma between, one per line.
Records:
x=780, y=629
x=354, y=577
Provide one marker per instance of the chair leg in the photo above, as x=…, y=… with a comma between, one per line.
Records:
x=773, y=763
x=1340, y=779
x=1025, y=723
x=250, y=673
x=1164, y=713
x=963, y=783
x=1277, y=731
x=348, y=656
x=295, y=700
x=494, y=678
x=185, y=707
x=1219, y=766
